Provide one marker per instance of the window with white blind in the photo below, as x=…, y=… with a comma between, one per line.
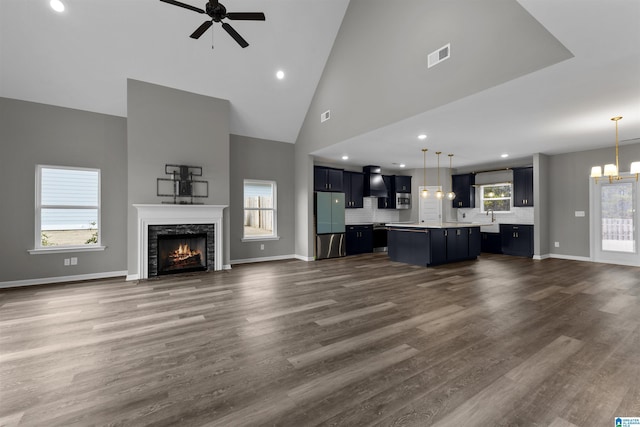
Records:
x=67, y=208
x=259, y=210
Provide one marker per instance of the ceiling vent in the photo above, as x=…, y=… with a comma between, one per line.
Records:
x=325, y=116
x=439, y=55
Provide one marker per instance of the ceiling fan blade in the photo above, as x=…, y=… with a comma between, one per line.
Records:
x=233, y=33
x=186, y=6
x=201, y=29
x=247, y=16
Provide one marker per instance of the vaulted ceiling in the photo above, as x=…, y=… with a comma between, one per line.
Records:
x=81, y=59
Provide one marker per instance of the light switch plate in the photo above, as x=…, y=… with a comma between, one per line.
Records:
x=579, y=213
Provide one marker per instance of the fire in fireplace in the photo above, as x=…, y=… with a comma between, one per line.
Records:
x=179, y=253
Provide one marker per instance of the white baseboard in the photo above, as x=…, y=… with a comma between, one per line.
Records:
x=570, y=257
x=304, y=258
x=262, y=259
x=226, y=266
x=60, y=279
x=132, y=277
x=541, y=257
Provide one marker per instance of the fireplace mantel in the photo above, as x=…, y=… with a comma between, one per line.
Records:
x=159, y=214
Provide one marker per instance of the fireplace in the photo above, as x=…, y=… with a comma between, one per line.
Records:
x=163, y=219
x=180, y=253
x=178, y=248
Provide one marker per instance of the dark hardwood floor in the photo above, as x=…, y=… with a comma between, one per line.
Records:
x=501, y=341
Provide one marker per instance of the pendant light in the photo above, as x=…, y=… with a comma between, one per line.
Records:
x=439, y=193
x=451, y=195
x=613, y=171
x=424, y=193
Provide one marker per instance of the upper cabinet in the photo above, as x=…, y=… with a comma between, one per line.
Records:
x=353, y=183
x=465, y=192
x=327, y=179
x=402, y=184
x=396, y=184
x=523, y=187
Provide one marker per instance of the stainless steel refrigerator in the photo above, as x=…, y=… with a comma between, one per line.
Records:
x=330, y=228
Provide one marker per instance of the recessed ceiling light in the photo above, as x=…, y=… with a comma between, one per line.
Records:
x=57, y=5
x=345, y=157
x=504, y=155
x=280, y=74
x=422, y=136
x=402, y=165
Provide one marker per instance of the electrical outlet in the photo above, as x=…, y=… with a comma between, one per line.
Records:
x=262, y=247
x=74, y=260
x=67, y=262
x=556, y=244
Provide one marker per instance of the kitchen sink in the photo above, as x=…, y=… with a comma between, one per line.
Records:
x=489, y=227
x=493, y=228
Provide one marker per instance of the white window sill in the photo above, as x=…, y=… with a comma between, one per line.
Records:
x=260, y=239
x=66, y=249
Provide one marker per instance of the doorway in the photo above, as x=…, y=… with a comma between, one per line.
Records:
x=614, y=214
x=430, y=208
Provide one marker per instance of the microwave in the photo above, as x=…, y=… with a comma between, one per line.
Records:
x=403, y=200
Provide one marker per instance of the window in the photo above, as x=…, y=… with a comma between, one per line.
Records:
x=67, y=207
x=259, y=209
x=496, y=197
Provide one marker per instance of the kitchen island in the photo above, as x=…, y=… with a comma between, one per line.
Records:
x=427, y=244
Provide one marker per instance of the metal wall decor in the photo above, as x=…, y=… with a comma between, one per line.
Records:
x=181, y=186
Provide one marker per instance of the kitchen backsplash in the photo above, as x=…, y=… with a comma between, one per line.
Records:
x=516, y=216
x=370, y=213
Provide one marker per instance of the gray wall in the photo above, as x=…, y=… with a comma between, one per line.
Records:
x=167, y=125
x=569, y=192
x=32, y=134
x=261, y=159
x=541, y=207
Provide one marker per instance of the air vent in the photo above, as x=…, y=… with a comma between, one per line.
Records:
x=439, y=55
x=325, y=116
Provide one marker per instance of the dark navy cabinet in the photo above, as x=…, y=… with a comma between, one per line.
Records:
x=401, y=184
x=395, y=184
x=491, y=243
x=517, y=239
x=457, y=244
x=327, y=179
x=359, y=239
x=475, y=242
x=523, y=187
x=433, y=246
x=465, y=192
x=353, y=183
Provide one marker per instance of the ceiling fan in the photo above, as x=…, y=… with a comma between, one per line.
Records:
x=218, y=12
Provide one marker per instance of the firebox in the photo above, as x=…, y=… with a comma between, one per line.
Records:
x=180, y=253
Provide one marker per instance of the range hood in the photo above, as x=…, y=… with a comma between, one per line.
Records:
x=373, y=182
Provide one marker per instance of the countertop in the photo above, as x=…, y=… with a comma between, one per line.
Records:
x=434, y=225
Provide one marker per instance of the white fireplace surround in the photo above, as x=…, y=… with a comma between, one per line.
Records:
x=165, y=214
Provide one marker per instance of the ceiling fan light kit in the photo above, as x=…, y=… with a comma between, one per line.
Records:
x=217, y=12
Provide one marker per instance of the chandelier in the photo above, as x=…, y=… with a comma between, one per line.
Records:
x=613, y=171
x=439, y=193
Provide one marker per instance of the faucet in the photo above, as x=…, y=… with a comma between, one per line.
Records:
x=493, y=216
